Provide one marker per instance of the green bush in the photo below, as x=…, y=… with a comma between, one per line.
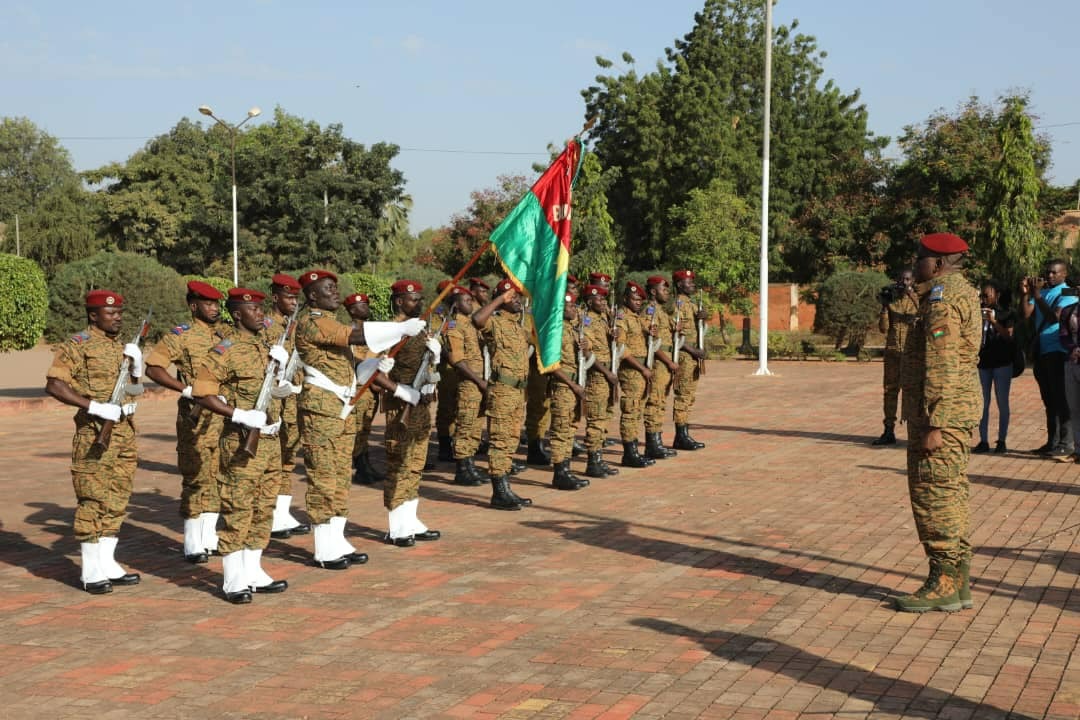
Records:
x=376, y=287
x=141, y=280
x=847, y=306
x=24, y=299
x=223, y=285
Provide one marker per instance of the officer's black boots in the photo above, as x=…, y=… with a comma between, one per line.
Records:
x=563, y=479
x=631, y=458
x=887, y=437
x=683, y=441
x=654, y=447
x=446, y=448
x=467, y=474
x=595, y=468
x=537, y=454
x=501, y=498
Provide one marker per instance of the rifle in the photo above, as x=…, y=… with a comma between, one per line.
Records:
x=617, y=349
x=701, y=335
x=526, y=309
x=251, y=441
x=421, y=377
x=655, y=343
x=122, y=386
x=679, y=339
x=583, y=363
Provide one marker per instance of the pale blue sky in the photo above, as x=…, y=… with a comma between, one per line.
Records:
x=486, y=76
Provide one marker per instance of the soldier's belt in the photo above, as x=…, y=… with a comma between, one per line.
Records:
x=511, y=381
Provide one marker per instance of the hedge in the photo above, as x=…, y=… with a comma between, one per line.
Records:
x=24, y=300
x=848, y=306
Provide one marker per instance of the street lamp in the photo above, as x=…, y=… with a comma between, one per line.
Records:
x=253, y=112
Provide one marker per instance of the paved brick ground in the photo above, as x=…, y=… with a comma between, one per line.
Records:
x=747, y=580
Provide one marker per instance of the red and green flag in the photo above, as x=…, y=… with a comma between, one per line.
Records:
x=533, y=245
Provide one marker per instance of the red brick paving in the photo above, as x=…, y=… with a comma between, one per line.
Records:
x=747, y=580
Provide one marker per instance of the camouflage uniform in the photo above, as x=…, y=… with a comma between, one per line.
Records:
x=686, y=378
x=289, y=435
x=631, y=382
x=506, y=394
x=89, y=362
x=597, y=389
x=941, y=390
x=661, y=380
x=367, y=406
x=406, y=438
x=463, y=343
x=447, y=388
x=248, y=486
x=896, y=322
x=197, y=441
x=323, y=344
x=564, y=402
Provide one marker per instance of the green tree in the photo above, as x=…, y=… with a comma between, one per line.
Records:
x=24, y=299
x=456, y=243
x=847, y=306
x=594, y=246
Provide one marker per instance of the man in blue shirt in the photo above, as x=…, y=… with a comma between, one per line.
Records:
x=1041, y=297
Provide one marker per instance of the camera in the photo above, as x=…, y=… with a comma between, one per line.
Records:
x=1071, y=291
x=891, y=293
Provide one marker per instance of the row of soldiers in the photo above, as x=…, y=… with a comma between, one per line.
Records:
x=316, y=370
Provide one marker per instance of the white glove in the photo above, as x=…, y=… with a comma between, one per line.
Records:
x=365, y=369
x=249, y=418
x=270, y=430
x=128, y=409
x=281, y=390
x=132, y=351
x=434, y=346
x=428, y=389
x=280, y=354
x=186, y=393
x=107, y=411
x=386, y=364
x=433, y=376
x=381, y=336
x=407, y=393
x=412, y=326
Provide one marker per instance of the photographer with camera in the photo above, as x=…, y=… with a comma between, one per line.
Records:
x=899, y=311
x=1042, y=298
x=995, y=363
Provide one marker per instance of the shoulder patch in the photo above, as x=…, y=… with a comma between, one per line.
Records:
x=81, y=337
x=451, y=324
x=651, y=310
x=316, y=313
x=181, y=329
x=586, y=320
x=267, y=322
x=937, y=294
x=222, y=346
x=939, y=332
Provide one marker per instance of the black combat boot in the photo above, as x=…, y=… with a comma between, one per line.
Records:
x=501, y=499
x=466, y=473
x=563, y=479
x=654, y=447
x=631, y=458
x=578, y=449
x=595, y=468
x=683, y=441
x=537, y=454
x=887, y=437
x=516, y=467
x=375, y=475
x=446, y=448
x=360, y=475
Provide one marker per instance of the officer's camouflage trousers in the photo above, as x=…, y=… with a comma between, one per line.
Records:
x=468, y=422
x=891, y=384
x=686, y=380
x=446, y=411
x=197, y=458
x=597, y=410
x=102, y=480
x=631, y=402
x=506, y=410
x=248, y=489
x=563, y=421
x=537, y=404
x=406, y=451
x=289, y=442
x=328, y=444
x=366, y=408
x=654, y=406
x=939, y=490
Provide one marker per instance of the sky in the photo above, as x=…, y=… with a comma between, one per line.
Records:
x=473, y=90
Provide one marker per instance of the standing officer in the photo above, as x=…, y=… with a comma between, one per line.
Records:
x=601, y=384
x=691, y=362
x=537, y=402
x=466, y=357
x=480, y=290
x=248, y=484
x=481, y=293
x=327, y=423
x=446, y=394
x=944, y=382
x=358, y=306
x=197, y=432
x=83, y=374
x=499, y=324
x=634, y=377
x=566, y=397
x=658, y=324
x=284, y=295
x=899, y=311
x=408, y=421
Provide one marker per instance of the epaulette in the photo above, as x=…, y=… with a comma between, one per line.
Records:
x=586, y=320
x=937, y=294
x=81, y=337
x=316, y=313
x=181, y=329
x=267, y=322
x=222, y=346
x=451, y=324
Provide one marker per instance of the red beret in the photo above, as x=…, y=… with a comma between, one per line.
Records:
x=634, y=287
x=504, y=285
x=598, y=277
x=596, y=290
x=570, y=298
x=656, y=280
x=285, y=282
x=443, y=284
x=944, y=243
x=238, y=296
x=104, y=298
x=406, y=286
x=571, y=278
x=478, y=281
x=682, y=275
x=313, y=275
x=356, y=298
x=458, y=290
x=203, y=290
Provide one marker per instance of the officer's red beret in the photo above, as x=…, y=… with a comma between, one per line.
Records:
x=356, y=298
x=313, y=275
x=406, y=286
x=458, y=290
x=596, y=290
x=104, y=298
x=203, y=290
x=634, y=287
x=682, y=275
x=504, y=285
x=571, y=279
x=238, y=296
x=944, y=243
x=443, y=284
x=656, y=280
x=285, y=282
x=598, y=277
x=478, y=281
x=570, y=298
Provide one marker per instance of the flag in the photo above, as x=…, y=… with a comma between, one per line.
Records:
x=533, y=246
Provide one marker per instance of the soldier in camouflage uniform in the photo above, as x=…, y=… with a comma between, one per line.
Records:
x=537, y=402
x=284, y=296
x=248, y=484
x=566, y=399
x=197, y=432
x=500, y=326
x=408, y=421
x=83, y=374
x=358, y=306
x=601, y=385
x=660, y=326
x=691, y=360
x=899, y=310
x=327, y=422
x=634, y=377
x=446, y=407
x=946, y=404
x=466, y=357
